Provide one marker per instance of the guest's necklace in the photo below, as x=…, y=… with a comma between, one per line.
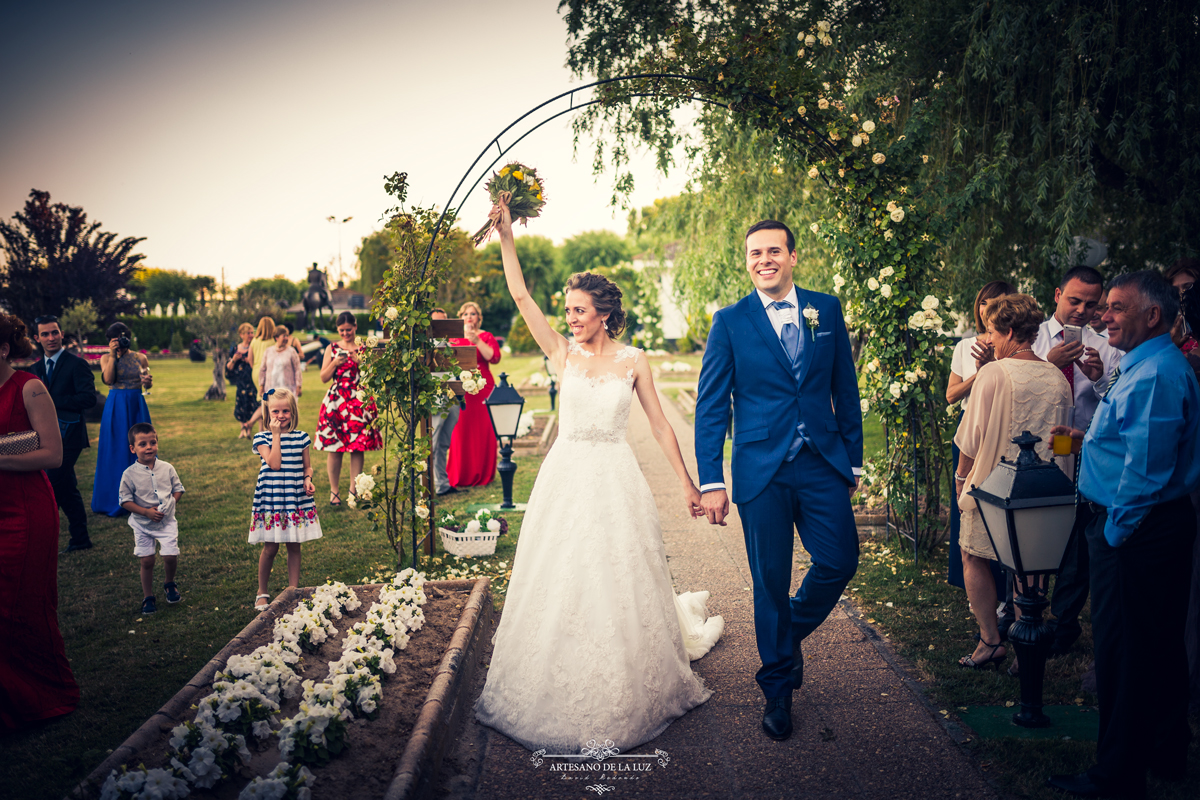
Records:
x=1022, y=350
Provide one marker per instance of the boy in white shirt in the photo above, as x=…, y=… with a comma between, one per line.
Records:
x=149, y=489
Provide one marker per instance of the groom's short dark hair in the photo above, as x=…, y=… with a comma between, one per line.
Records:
x=772, y=225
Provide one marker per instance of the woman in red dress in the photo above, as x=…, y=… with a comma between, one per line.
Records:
x=472, y=459
x=345, y=424
x=35, y=678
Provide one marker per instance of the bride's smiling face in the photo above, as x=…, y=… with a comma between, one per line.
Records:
x=585, y=323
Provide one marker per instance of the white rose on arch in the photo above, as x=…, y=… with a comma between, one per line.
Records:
x=886, y=290
x=897, y=215
x=929, y=303
x=886, y=272
x=838, y=282
x=878, y=158
x=392, y=314
x=813, y=172
x=864, y=405
x=896, y=389
x=872, y=284
x=856, y=140
x=910, y=376
x=810, y=40
x=868, y=126
x=823, y=26
x=815, y=227
x=822, y=104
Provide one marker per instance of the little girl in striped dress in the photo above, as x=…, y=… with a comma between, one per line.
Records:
x=284, y=510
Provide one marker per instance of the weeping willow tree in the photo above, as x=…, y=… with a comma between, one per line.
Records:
x=934, y=146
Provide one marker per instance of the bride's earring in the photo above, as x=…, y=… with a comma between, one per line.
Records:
x=605, y=324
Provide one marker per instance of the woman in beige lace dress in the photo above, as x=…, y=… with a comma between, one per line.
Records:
x=1017, y=392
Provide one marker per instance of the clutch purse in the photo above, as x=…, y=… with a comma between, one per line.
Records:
x=18, y=444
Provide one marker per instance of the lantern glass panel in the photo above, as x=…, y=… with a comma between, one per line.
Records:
x=1043, y=535
x=506, y=418
x=996, y=520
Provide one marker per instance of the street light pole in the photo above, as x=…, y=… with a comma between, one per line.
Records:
x=339, y=223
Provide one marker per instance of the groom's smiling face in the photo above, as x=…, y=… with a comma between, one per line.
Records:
x=769, y=262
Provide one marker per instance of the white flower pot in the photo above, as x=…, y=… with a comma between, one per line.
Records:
x=479, y=543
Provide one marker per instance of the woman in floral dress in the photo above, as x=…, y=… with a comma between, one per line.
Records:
x=240, y=371
x=345, y=422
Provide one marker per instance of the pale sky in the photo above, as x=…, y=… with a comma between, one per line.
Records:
x=226, y=132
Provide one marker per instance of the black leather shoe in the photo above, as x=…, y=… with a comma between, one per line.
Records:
x=1079, y=785
x=797, y=667
x=777, y=718
x=72, y=548
x=445, y=492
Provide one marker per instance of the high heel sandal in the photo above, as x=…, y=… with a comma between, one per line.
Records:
x=968, y=662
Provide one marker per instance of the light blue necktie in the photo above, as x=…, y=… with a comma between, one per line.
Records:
x=789, y=334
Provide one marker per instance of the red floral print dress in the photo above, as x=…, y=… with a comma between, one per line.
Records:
x=345, y=422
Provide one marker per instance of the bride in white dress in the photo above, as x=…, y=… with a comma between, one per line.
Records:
x=593, y=644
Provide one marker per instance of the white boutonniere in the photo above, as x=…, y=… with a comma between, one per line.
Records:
x=813, y=319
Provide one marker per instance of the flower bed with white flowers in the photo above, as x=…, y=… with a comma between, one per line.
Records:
x=319, y=704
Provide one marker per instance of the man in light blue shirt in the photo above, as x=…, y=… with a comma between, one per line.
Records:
x=1139, y=462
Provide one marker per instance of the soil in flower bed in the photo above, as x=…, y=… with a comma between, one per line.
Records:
x=373, y=747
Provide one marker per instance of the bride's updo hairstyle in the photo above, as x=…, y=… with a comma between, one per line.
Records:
x=606, y=297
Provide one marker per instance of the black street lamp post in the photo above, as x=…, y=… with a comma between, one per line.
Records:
x=553, y=388
x=1028, y=507
x=504, y=407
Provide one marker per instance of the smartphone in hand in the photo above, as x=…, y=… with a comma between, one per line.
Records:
x=1072, y=334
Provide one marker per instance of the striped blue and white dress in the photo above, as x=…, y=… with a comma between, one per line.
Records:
x=282, y=511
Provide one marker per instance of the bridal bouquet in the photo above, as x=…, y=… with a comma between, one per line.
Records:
x=521, y=188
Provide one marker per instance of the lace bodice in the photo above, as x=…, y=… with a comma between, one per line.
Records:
x=596, y=395
x=129, y=372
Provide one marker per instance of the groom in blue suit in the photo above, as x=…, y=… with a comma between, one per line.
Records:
x=783, y=354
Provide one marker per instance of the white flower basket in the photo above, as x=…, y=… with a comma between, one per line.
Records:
x=480, y=543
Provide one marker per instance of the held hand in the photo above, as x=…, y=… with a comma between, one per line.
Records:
x=695, y=509
x=502, y=216
x=1063, y=430
x=715, y=505
x=1091, y=365
x=982, y=352
x=147, y=380
x=113, y=347
x=1066, y=353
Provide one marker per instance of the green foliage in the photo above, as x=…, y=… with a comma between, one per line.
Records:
x=591, y=250
x=54, y=257
x=279, y=289
x=79, y=318
x=176, y=342
x=151, y=333
x=166, y=286
x=374, y=257
x=519, y=339
x=399, y=374
x=543, y=276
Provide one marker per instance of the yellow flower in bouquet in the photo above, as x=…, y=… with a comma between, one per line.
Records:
x=524, y=191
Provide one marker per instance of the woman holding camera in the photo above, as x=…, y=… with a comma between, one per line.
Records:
x=126, y=373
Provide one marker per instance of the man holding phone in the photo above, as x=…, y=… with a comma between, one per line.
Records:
x=1068, y=341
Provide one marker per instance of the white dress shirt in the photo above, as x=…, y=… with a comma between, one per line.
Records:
x=1087, y=394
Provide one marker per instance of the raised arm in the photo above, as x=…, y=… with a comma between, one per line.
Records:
x=552, y=343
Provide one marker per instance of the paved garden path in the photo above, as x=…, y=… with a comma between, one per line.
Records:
x=861, y=728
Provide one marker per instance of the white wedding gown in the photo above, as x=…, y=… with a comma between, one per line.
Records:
x=593, y=644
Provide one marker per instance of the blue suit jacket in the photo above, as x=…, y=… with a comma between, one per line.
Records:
x=744, y=358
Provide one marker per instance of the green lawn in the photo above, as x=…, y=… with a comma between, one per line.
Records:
x=930, y=624
x=127, y=665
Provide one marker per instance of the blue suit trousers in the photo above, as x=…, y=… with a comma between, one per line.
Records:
x=809, y=496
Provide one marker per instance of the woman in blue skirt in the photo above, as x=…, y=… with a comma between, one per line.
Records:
x=126, y=373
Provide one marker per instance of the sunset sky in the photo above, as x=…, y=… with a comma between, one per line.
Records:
x=226, y=132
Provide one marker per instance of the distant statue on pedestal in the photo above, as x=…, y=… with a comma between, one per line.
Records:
x=315, y=298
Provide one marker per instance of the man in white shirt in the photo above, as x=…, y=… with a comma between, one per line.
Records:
x=1088, y=365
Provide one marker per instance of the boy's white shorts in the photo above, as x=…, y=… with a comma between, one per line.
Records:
x=167, y=537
